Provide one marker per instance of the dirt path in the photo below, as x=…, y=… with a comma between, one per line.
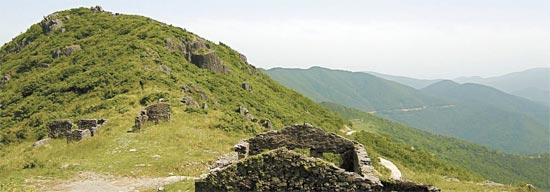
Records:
x=395, y=173
x=90, y=181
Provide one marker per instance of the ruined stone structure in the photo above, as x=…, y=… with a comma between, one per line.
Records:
x=78, y=134
x=284, y=170
x=152, y=113
x=64, y=129
x=59, y=128
x=90, y=124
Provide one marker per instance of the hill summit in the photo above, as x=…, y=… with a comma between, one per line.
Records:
x=89, y=63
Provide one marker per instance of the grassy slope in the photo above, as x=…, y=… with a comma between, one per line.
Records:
x=490, y=163
x=103, y=79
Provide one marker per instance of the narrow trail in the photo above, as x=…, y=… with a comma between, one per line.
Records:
x=92, y=182
x=395, y=173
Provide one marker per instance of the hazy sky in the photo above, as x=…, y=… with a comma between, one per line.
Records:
x=423, y=38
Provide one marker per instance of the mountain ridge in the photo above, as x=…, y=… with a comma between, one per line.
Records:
x=483, y=115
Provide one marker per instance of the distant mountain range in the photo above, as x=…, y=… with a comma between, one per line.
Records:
x=472, y=112
x=411, y=82
x=533, y=84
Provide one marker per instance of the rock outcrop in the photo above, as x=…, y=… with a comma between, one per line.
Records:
x=209, y=60
x=284, y=170
x=51, y=23
x=198, y=52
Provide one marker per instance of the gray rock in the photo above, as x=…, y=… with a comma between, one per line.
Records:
x=266, y=123
x=165, y=69
x=189, y=101
x=209, y=60
x=246, y=86
x=96, y=9
x=242, y=110
x=41, y=142
x=51, y=23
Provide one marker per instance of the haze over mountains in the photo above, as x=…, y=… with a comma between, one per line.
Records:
x=533, y=84
x=472, y=112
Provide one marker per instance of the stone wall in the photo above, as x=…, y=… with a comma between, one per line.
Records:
x=78, y=134
x=90, y=124
x=300, y=136
x=152, y=113
x=59, y=128
x=283, y=170
x=64, y=129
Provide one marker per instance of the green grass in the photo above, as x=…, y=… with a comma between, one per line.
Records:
x=489, y=163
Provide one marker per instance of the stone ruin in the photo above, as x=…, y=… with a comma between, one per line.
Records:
x=58, y=129
x=284, y=170
x=152, y=113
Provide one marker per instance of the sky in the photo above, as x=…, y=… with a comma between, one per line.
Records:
x=423, y=39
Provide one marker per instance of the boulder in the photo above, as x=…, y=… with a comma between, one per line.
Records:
x=242, y=110
x=189, y=101
x=266, y=123
x=41, y=142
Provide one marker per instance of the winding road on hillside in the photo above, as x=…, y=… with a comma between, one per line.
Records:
x=395, y=173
